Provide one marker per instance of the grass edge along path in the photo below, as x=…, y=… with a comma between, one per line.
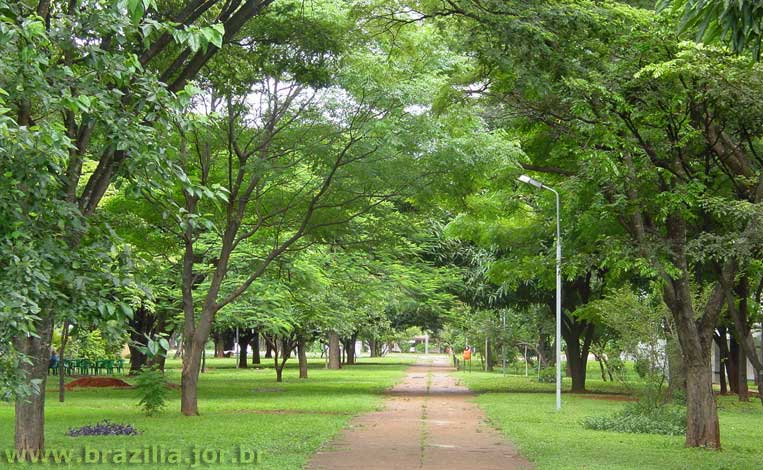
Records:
x=524, y=411
x=240, y=409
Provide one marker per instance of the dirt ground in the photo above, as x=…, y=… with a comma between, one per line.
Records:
x=428, y=422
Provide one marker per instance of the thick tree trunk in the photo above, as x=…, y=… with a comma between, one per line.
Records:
x=702, y=426
x=349, y=348
x=256, y=348
x=140, y=325
x=335, y=360
x=244, y=338
x=268, y=349
x=372, y=347
x=695, y=337
x=137, y=359
x=577, y=354
x=302, y=354
x=30, y=411
x=219, y=347
x=189, y=378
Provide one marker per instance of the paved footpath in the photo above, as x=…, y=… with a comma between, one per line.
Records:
x=428, y=422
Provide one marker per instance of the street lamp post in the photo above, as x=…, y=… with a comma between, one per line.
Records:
x=526, y=179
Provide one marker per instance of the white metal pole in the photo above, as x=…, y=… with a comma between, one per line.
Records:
x=558, y=304
x=533, y=182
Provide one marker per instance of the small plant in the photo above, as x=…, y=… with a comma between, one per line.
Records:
x=547, y=375
x=152, y=390
x=641, y=418
x=643, y=367
x=104, y=428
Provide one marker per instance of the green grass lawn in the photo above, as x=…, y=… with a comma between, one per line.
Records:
x=524, y=411
x=286, y=422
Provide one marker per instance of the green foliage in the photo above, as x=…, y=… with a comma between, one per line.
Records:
x=152, y=390
x=547, y=375
x=638, y=418
x=738, y=23
x=642, y=367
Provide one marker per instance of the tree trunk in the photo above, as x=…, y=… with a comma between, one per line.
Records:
x=302, y=354
x=30, y=411
x=189, y=378
x=742, y=389
x=676, y=369
x=372, y=347
x=335, y=361
x=349, y=348
x=601, y=366
x=742, y=328
x=577, y=355
x=61, y=357
x=243, y=345
x=723, y=357
x=695, y=337
x=158, y=361
x=256, y=348
x=268, y=349
x=137, y=359
x=219, y=347
x=488, y=356
x=702, y=426
x=140, y=325
x=734, y=364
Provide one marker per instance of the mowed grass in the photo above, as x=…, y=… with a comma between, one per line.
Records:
x=524, y=411
x=286, y=422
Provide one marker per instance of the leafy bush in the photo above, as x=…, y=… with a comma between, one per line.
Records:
x=104, y=428
x=547, y=375
x=152, y=390
x=642, y=367
x=642, y=419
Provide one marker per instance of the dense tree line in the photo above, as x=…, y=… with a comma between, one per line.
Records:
x=328, y=172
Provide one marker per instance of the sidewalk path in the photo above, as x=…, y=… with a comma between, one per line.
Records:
x=428, y=422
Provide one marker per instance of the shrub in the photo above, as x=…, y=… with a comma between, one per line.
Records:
x=104, y=428
x=152, y=390
x=641, y=418
x=642, y=366
x=547, y=375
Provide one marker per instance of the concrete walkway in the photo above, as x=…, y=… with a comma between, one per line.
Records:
x=428, y=422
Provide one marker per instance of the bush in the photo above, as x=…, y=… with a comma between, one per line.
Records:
x=642, y=366
x=152, y=390
x=547, y=375
x=641, y=418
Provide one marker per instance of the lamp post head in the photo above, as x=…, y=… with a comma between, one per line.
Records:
x=526, y=179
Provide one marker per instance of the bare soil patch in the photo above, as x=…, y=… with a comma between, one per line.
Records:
x=97, y=382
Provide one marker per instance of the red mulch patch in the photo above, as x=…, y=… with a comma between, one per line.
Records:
x=97, y=382
x=609, y=397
